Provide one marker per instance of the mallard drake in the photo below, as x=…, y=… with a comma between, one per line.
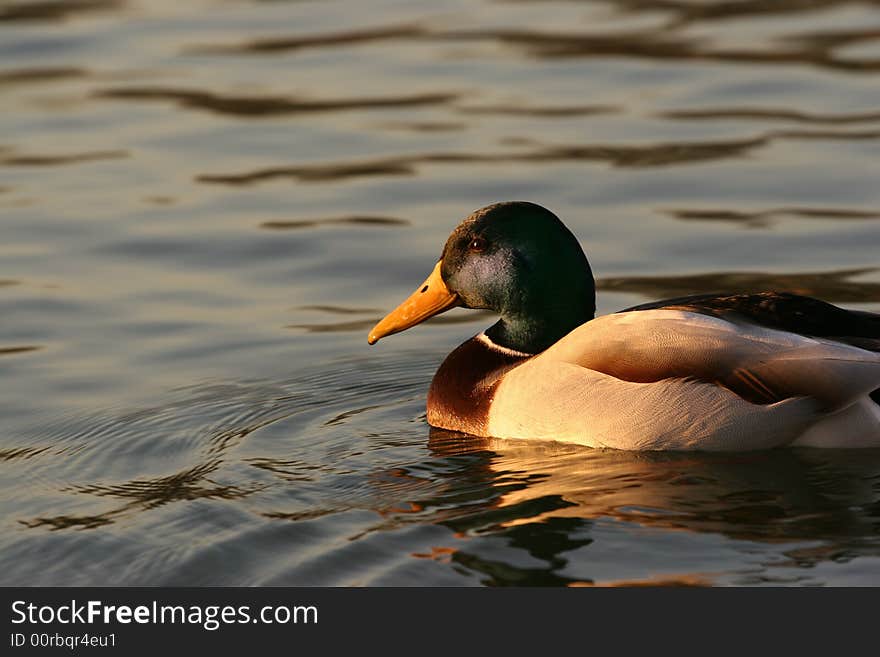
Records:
x=710, y=372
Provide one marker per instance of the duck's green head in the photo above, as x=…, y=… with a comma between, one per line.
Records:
x=517, y=259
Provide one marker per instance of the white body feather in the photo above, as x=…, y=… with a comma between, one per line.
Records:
x=562, y=394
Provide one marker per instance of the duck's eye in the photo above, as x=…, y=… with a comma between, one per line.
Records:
x=478, y=245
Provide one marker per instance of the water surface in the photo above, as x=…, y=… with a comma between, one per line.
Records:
x=206, y=205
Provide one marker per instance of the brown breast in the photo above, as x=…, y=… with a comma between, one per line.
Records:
x=463, y=387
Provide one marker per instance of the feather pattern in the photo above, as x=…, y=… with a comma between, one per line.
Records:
x=673, y=379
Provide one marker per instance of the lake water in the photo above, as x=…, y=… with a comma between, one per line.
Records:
x=206, y=205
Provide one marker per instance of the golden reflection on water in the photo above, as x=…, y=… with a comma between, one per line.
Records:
x=780, y=497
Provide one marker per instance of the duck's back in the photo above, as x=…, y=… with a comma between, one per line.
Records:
x=783, y=311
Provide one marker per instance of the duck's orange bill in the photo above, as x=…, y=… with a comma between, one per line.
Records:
x=431, y=298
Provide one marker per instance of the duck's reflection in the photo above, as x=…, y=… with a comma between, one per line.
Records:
x=544, y=498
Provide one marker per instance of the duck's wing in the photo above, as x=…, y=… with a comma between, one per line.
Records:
x=678, y=379
x=760, y=364
x=547, y=400
x=782, y=311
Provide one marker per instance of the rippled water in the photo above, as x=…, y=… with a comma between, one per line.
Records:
x=206, y=204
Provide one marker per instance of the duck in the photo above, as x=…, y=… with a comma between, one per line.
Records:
x=711, y=372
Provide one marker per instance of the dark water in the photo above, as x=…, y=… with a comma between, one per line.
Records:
x=205, y=206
